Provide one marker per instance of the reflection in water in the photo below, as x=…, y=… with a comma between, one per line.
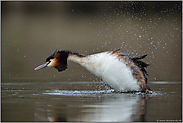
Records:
x=88, y=101
x=95, y=107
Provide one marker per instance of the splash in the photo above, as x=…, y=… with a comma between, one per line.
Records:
x=77, y=92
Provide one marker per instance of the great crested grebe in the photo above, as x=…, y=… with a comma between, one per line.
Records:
x=118, y=70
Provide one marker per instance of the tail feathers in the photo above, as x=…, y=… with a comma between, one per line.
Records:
x=141, y=57
x=141, y=64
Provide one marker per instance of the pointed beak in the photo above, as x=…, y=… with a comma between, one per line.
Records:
x=41, y=66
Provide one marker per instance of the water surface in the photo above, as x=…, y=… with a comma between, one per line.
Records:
x=88, y=101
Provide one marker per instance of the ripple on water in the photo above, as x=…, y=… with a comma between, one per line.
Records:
x=77, y=92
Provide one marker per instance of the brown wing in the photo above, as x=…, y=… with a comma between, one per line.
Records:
x=137, y=67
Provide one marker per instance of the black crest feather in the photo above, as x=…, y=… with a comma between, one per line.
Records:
x=52, y=55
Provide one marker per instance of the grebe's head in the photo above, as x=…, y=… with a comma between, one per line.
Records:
x=57, y=60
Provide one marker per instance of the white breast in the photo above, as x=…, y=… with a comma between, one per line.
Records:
x=112, y=70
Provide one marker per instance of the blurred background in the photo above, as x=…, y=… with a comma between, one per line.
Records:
x=31, y=31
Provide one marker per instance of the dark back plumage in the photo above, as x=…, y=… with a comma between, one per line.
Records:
x=142, y=65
